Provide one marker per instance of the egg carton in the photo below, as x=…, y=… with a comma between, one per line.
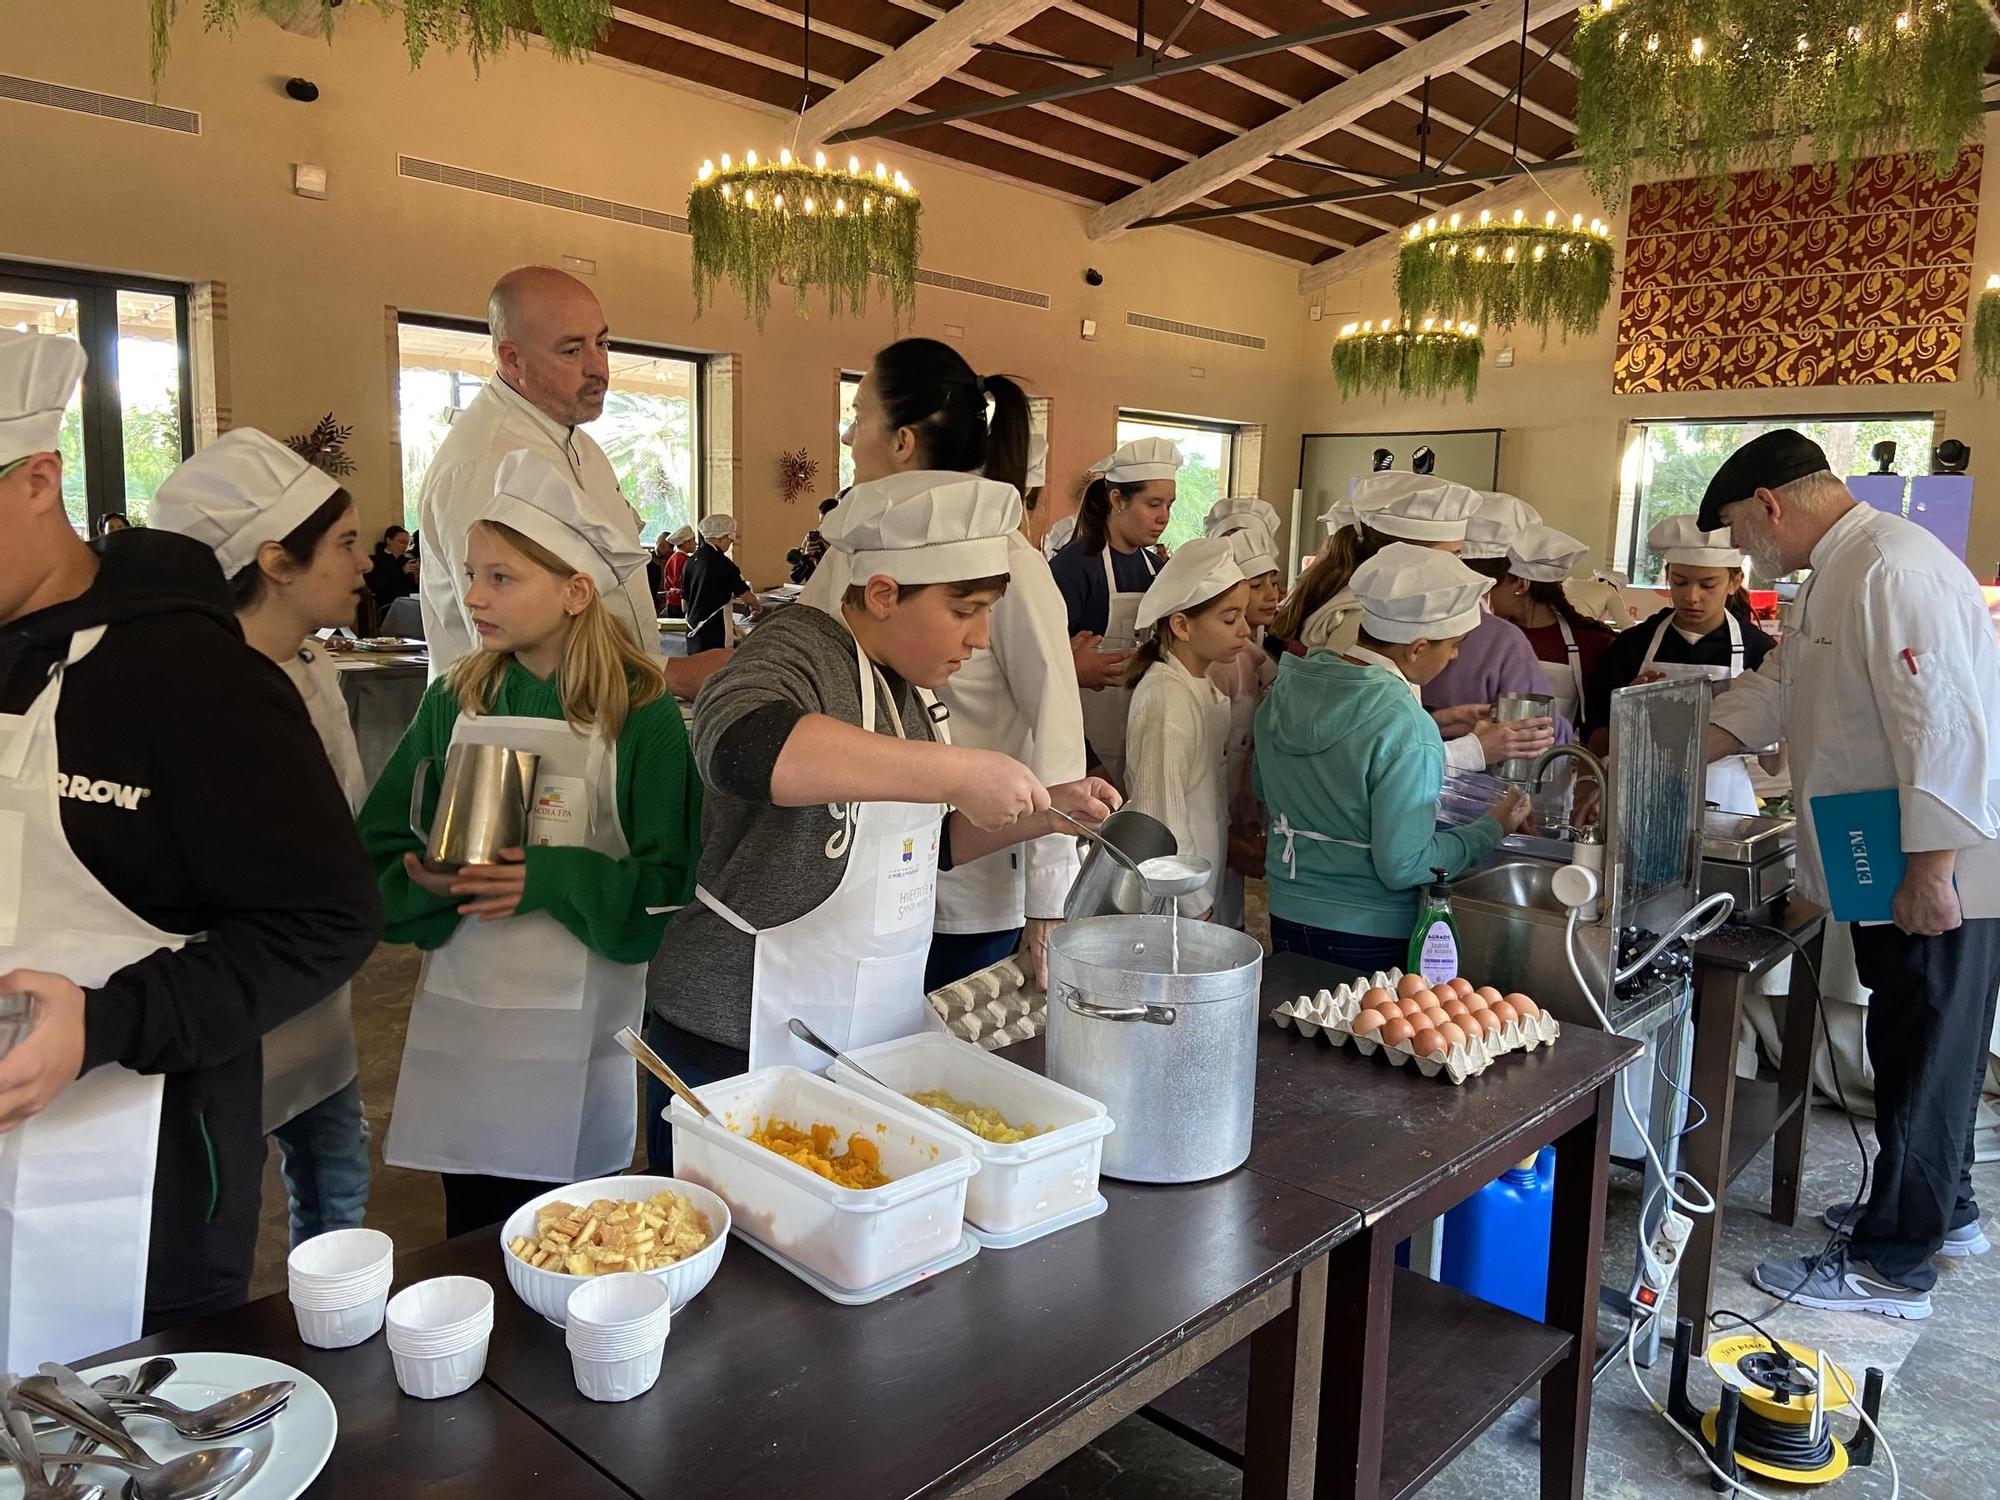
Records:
x=994, y=1008
x=1330, y=1015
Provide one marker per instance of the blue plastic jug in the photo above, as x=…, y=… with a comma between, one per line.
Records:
x=1496, y=1243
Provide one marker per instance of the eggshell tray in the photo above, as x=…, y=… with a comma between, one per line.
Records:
x=1330, y=1015
x=994, y=1008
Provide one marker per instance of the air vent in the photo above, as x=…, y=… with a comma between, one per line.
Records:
x=1193, y=331
x=532, y=192
x=104, y=106
x=990, y=289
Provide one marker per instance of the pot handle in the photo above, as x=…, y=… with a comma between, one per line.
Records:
x=1159, y=1015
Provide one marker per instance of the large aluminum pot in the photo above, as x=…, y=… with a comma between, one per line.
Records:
x=1172, y=1056
x=483, y=805
x=1104, y=887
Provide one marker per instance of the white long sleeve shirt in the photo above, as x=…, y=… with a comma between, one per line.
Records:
x=496, y=422
x=1887, y=677
x=1018, y=696
x=1176, y=729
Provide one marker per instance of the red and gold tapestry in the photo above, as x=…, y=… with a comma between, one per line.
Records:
x=1795, y=282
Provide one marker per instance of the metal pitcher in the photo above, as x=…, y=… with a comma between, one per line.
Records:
x=483, y=805
x=1511, y=709
x=1103, y=887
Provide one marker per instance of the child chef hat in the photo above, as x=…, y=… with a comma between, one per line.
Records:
x=1256, y=553
x=926, y=526
x=241, y=491
x=1495, y=523
x=1680, y=539
x=1260, y=511
x=1373, y=491
x=681, y=537
x=38, y=373
x=1195, y=574
x=1140, y=462
x=1541, y=554
x=1436, y=513
x=717, y=525
x=1059, y=536
x=1411, y=593
x=537, y=499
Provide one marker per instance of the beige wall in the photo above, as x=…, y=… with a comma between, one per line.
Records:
x=308, y=281
x=1564, y=429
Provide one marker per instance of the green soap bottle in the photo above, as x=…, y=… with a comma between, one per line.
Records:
x=1434, y=942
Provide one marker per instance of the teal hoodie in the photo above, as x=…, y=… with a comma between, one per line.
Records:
x=1347, y=751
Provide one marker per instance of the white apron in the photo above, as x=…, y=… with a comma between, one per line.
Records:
x=1565, y=678
x=1104, y=709
x=852, y=968
x=509, y=1067
x=1729, y=778
x=76, y=1181
x=312, y=1056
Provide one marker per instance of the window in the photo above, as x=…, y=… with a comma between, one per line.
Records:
x=1208, y=468
x=650, y=429
x=1668, y=465
x=131, y=421
x=850, y=386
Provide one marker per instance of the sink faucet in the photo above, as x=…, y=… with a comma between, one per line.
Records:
x=1557, y=752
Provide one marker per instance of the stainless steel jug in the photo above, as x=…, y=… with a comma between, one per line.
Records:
x=483, y=805
x=1103, y=887
x=1511, y=709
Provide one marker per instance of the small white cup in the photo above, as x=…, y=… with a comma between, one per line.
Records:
x=430, y=1377
x=341, y=1327
x=617, y=1379
x=340, y=1257
x=626, y=1300
x=436, y=1316
x=331, y=1297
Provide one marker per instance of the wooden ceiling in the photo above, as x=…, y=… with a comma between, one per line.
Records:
x=1098, y=148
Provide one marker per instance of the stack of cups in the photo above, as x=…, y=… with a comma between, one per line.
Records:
x=340, y=1286
x=437, y=1335
x=617, y=1332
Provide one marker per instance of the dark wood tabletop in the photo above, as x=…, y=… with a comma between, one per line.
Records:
x=1738, y=945
x=1367, y=1133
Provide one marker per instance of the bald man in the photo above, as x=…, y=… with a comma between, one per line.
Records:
x=553, y=349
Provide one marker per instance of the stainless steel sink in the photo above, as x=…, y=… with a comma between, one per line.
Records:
x=1511, y=933
x=1525, y=884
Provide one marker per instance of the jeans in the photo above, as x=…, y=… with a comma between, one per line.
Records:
x=323, y=1154
x=959, y=955
x=1352, y=952
x=698, y=1061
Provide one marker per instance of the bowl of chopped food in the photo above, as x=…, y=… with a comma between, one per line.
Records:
x=662, y=1227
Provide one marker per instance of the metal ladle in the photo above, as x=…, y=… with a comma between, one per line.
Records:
x=1164, y=877
x=819, y=1043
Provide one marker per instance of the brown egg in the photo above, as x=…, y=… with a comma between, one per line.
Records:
x=1464, y=988
x=1487, y=1019
x=1524, y=1005
x=1367, y=1021
x=1378, y=999
x=1507, y=1014
x=1487, y=993
x=1409, y=984
x=1473, y=1030
x=1397, y=1030
x=1426, y=998
x=1428, y=1042
x=1456, y=1007
x=1412, y=1007
x=1435, y=1017
x=1453, y=1034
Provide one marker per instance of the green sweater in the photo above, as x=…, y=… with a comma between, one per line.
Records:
x=1347, y=752
x=601, y=900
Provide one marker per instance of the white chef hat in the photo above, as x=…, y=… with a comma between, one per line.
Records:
x=718, y=525
x=1410, y=593
x=681, y=537
x=1436, y=512
x=1038, y=460
x=1140, y=462
x=244, y=489
x=38, y=374
x=1195, y=574
x=537, y=499
x=1493, y=525
x=1541, y=554
x=1370, y=492
x=1059, y=536
x=1680, y=539
x=925, y=526
x=1261, y=511
x=1256, y=552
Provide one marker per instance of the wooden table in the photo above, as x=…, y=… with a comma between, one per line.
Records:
x=1402, y=1149
x=1744, y=1114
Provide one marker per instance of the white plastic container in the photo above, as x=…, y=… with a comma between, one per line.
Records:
x=854, y=1238
x=616, y=1335
x=339, y=1286
x=548, y=1292
x=341, y=1327
x=438, y=1332
x=617, y=1379
x=1019, y=1188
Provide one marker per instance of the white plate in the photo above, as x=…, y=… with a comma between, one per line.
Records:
x=290, y=1451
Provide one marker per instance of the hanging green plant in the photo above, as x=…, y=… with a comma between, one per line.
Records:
x=1428, y=359
x=1713, y=86
x=572, y=28
x=810, y=227
x=1986, y=335
x=1498, y=275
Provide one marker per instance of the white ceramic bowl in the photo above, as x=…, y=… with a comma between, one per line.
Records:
x=342, y=1327
x=548, y=1292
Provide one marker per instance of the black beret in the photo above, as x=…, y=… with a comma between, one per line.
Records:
x=1763, y=463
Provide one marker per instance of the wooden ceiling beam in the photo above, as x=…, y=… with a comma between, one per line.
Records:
x=1473, y=76
x=1337, y=108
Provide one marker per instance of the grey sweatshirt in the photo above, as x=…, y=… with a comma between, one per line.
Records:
x=770, y=865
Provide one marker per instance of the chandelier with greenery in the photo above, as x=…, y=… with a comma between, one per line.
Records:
x=1429, y=358
x=1713, y=86
x=1499, y=274
x=810, y=227
x=1986, y=334
x=570, y=27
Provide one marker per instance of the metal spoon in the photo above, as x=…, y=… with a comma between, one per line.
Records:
x=225, y=1418
x=653, y=1063
x=17, y=1441
x=812, y=1038
x=200, y=1475
x=149, y=1377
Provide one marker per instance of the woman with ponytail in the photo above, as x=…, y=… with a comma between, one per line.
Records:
x=511, y=1079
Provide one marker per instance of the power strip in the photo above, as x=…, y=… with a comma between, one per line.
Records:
x=1662, y=1260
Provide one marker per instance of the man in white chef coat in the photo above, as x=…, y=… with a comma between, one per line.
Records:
x=553, y=349
x=1888, y=678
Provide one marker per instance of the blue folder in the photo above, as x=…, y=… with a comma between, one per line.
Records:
x=1860, y=837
